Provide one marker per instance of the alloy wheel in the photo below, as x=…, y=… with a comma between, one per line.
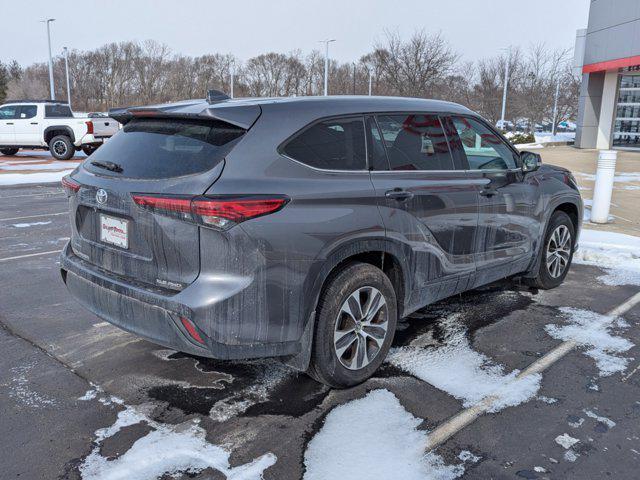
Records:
x=361, y=328
x=558, y=251
x=60, y=147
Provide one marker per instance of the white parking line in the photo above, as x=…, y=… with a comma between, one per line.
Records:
x=33, y=216
x=469, y=415
x=29, y=255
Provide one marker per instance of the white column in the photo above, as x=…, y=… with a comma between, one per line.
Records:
x=607, y=110
x=604, y=186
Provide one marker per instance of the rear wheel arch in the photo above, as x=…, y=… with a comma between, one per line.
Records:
x=383, y=254
x=55, y=130
x=392, y=259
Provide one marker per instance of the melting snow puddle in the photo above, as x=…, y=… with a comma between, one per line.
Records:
x=165, y=450
x=462, y=372
x=593, y=331
x=375, y=437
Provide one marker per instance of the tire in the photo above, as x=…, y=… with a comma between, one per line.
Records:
x=346, y=365
x=88, y=149
x=9, y=151
x=61, y=147
x=552, y=273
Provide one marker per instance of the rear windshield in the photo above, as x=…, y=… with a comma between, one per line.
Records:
x=57, y=111
x=161, y=148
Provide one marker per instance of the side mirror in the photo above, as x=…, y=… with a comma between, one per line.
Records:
x=530, y=161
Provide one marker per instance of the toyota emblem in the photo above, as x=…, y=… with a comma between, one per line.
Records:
x=101, y=196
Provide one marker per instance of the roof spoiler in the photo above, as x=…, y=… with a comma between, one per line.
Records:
x=243, y=116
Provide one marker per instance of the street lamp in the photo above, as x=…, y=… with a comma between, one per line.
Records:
x=48, y=22
x=555, y=107
x=326, y=64
x=232, y=73
x=65, y=51
x=504, y=90
x=370, y=78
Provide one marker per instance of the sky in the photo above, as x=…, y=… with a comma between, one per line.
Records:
x=474, y=28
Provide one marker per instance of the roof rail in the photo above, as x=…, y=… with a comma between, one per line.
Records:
x=33, y=100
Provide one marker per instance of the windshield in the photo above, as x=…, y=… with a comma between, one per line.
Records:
x=164, y=148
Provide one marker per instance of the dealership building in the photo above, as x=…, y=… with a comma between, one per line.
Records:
x=608, y=55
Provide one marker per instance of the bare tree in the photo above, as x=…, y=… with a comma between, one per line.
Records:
x=415, y=67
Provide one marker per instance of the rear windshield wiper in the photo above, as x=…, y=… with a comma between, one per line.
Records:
x=113, y=167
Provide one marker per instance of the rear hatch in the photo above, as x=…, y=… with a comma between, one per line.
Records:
x=104, y=127
x=173, y=158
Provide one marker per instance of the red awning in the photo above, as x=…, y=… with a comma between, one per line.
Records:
x=611, y=64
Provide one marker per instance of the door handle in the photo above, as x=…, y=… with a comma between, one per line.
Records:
x=399, y=194
x=488, y=192
x=9, y=123
x=34, y=123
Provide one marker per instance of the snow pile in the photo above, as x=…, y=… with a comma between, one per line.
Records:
x=593, y=331
x=464, y=373
x=25, y=178
x=166, y=450
x=374, y=437
x=546, y=137
x=33, y=224
x=38, y=166
x=618, y=253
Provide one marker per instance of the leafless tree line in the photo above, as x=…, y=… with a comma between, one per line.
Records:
x=131, y=73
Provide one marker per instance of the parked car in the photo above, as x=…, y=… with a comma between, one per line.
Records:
x=303, y=228
x=47, y=124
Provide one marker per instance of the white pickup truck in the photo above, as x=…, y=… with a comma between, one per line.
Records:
x=48, y=124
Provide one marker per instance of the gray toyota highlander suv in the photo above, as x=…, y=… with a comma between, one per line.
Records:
x=303, y=228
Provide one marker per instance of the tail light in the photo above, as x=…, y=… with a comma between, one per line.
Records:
x=70, y=186
x=220, y=212
x=89, y=126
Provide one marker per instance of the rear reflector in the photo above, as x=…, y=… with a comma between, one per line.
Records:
x=70, y=186
x=191, y=329
x=221, y=212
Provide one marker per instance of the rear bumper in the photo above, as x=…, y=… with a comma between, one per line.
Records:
x=154, y=314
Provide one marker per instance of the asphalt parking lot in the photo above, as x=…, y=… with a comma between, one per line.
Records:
x=55, y=352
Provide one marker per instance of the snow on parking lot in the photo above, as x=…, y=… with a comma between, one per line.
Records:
x=618, y=254
x=167, y=450
x=374, y=437
x=19, y=170
x=462, y=372
x=595, y=334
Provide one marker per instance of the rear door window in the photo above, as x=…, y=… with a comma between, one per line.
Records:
x=57, y=111
x=337, y=144
x=28, y=111
x=415, y=142
x=163, y=148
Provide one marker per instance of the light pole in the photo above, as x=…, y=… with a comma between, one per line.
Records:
x=326, y=64
x=370, y=78
x=65, y=50
x=48, y=22
x=504, y=90
x=555, y=107
x=232, y=72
